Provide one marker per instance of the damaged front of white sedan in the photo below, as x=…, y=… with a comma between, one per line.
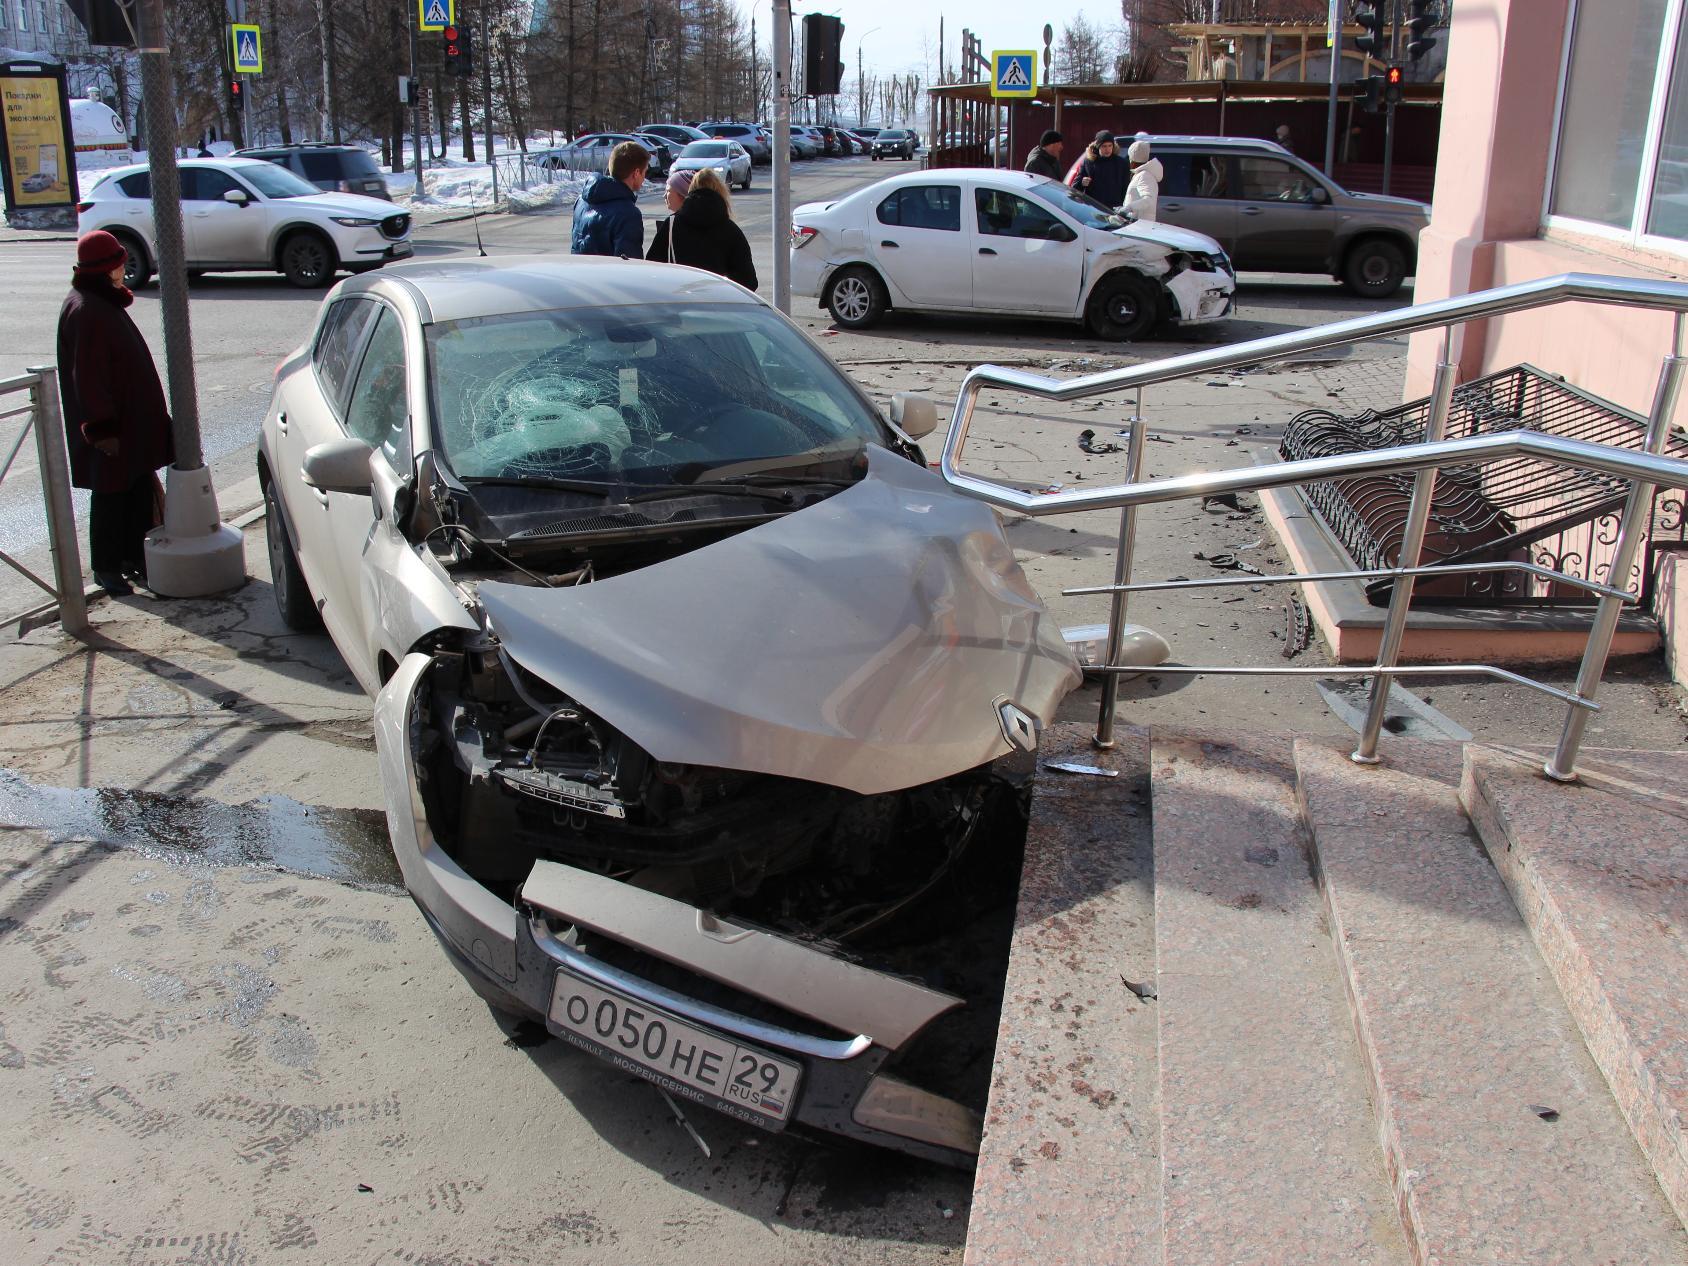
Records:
x=691, y=676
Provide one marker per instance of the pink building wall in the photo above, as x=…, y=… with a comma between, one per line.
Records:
x=1505, y=59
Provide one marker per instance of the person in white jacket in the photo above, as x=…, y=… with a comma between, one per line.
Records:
x=1143, y=192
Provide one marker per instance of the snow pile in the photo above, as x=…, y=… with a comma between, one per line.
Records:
x=556, y=196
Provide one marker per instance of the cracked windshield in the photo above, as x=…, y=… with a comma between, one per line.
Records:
x=637, y=395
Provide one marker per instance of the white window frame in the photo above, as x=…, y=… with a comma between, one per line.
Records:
x=1635, y=235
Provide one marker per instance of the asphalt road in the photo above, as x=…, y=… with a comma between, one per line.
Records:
x=244, y=325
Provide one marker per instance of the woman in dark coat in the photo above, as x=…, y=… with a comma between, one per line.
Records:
x=701, y=233
x=117, y=426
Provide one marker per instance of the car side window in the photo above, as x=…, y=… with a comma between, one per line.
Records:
x=1003, y=214
x=1195, y=176
x=206, y=184
x=379, y=409
x=320, y=167
x=136, y=185
x=1272, y=179
x=337, y=345
x=923, y=207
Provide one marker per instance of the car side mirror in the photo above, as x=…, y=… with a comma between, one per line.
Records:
x=913, y=414
x=236, y=196
x=1061, y=233
x=1318, y=195
x=338, y=466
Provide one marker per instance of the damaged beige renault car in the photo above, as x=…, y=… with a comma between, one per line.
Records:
x=686, y=668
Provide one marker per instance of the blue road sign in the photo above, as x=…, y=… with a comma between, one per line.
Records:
x=248, y=48
x=436, y=15
x=1014, y=73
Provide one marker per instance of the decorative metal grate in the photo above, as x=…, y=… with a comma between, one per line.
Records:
x=1522, y=509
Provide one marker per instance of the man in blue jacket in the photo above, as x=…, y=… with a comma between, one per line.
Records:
x=607, y=219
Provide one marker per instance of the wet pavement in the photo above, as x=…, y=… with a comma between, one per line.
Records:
x=347, y=845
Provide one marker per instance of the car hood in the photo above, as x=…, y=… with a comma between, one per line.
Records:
x=1392, y=205
x=340, y=204
x=865, y=642
x=1168, y=235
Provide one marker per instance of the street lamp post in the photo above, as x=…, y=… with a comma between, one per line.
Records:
x=861, y=97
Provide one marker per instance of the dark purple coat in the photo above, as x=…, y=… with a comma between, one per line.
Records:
x=109, y=387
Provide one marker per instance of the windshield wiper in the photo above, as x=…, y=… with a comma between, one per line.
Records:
x=714, y=489
x=604, y=487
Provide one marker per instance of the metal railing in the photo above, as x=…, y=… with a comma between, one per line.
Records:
x=47, y=425
x=1644, y=470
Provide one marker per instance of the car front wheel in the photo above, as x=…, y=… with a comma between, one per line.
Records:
x=308, y=261
x=1375, y=268
x=857, y=299
x=292, y=595
x=136, y=270
x=1122, y=307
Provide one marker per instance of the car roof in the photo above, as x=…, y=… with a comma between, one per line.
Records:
x=459, y=289
x=227, y=164
x=1225, y=142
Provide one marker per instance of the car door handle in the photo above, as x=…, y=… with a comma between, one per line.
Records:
x=889, y=243
x=1253, y=211
x=985, y=250
x=1172, y=206
x=201, y=215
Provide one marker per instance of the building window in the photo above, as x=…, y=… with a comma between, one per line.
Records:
x=1621, y=157
x=23, y=14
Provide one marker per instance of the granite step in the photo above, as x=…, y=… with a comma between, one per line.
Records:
x=1600, y=876
x=1267, y=1148
x=1069, y=1171
x=1499, y=1135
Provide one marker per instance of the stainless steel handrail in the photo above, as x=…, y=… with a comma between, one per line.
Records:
x=47, y=424
x=1645, y=470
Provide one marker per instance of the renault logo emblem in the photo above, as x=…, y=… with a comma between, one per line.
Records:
x=1019, y=727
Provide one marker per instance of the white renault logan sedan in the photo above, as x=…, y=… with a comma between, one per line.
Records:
x=1009, y=243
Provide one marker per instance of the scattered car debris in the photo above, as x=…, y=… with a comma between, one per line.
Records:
x=1299, y=633
x=1225, y=560
x=1546, y=1114
x=1073, y=767
x=686, y=1125
x=1143, y=989
x=1087, y=442
x=1226, y=500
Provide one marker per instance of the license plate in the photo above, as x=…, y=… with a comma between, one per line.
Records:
x=743, y=1081
x=401, y=250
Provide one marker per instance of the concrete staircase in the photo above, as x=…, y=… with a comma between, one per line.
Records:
x=1265, y=1005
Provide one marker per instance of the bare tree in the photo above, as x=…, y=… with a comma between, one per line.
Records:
x=1081, y=54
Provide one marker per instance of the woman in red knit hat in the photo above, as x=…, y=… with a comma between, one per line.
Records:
x=117, y=426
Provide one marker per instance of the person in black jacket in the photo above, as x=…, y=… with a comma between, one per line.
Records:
x=1102, y=173
x=701, y=233
x=1045, y=160
x=117, y=426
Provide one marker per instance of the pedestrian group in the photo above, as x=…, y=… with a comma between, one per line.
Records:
x=699, y=232
x=1130, y=184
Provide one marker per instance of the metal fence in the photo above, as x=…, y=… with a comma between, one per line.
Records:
x=1643, y=471
x=40, y=388
x=539, y=167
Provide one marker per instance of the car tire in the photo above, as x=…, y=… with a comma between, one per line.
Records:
x=1124, y=306
x=137, y=270
x=1374, y=268
x=307, y=260
x=293, y=600
x=856, y=299
x=876, y=158
x=745, y=187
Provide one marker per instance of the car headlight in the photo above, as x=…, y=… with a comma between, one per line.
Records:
x=355, y=221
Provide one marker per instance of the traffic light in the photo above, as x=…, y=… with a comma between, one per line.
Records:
x=459, y=55
x=823, y=65
x=1369, y=93
x=237, y=95
x=1421, y=16
x=1392, y=85
x=1368, y=15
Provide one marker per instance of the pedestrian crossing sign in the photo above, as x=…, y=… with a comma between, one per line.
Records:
x=436, y=15
x=248, y=48
x=1014, y=74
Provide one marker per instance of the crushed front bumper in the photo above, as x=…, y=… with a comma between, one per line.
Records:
x=839, y=1024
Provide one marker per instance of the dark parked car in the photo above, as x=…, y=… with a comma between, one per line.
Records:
x=893, y=143
x=337, y=168
x=1273, y=212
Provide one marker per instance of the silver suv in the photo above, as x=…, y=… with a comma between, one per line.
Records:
x=1273, y=212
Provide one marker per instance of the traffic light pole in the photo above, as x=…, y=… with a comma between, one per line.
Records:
x=416, y=109
x=1390, y=93
x=782, y=155
x=194, y=552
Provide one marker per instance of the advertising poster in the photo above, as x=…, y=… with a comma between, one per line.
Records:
x=36, y=140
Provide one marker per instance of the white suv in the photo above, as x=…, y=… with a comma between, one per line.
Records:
x=245, y=214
